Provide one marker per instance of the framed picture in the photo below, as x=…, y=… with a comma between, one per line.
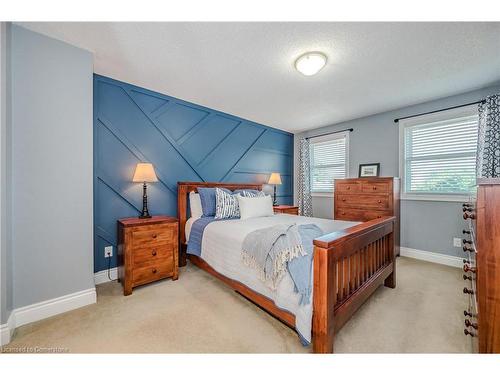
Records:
x=369, y=170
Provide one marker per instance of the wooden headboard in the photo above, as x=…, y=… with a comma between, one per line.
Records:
x=183, y=190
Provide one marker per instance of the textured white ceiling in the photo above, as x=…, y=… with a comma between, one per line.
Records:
x=246, y=69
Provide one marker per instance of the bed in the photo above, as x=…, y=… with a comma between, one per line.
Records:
x=350, y=261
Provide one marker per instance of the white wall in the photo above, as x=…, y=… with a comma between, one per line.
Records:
x=52, y=162
x=5, y=255
x=425, y=225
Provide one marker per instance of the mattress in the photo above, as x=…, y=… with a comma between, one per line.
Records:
x=221, y=249
x=187, y=228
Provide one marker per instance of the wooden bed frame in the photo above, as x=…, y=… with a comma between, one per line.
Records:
x=349, y=265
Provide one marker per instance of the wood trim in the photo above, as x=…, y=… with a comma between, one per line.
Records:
x=349, y=265
x=183, y=190
x=330, y=240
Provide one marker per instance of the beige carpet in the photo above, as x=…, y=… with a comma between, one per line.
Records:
x=198, y=313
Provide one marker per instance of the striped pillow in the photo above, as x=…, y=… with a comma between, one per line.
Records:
x=252, y=193
x=226, y=205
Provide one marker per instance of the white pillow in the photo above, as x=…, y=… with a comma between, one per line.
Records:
x=195, y=205
x=255, y=207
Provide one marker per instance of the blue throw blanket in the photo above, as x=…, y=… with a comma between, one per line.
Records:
x=300, y=268
x=272, y=251
x=196, y=235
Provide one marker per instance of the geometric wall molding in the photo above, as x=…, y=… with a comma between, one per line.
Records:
x=184, y=141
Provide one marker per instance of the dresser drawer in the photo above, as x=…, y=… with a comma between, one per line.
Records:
x=290, y=211
x=363, y=200
x=346, y=187
x=154, y=272
x=376, y=214
x=352, y=214
x=376, y=187
x=153, y=235
x=162, y=253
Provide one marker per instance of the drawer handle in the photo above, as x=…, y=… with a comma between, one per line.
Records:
x=342, y=213
x=343, y=199
x=348, y=188
x=464, y=241
x=466, y=204
x=379, y=216
x=468, y=323
x=466, y=231
x=469, y=269
x=467, y=209
x=153, y=253
x=469, y=215
x=155, y=235
x=379, y=201
x=467, y=277
x=468, y=291
x=467, y=313
x=154, y=270
x=467, y=332
x=468, y=248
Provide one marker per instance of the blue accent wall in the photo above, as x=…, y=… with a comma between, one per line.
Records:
x=184, y=141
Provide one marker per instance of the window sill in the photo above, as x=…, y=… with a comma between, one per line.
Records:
x=435, y=198
x=323, y=194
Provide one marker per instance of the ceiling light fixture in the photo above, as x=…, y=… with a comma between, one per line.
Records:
x=310, y=63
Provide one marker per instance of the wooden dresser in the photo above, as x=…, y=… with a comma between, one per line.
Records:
x=147, y=250
x=368, y=198
x=284, y=209
x=482, y=267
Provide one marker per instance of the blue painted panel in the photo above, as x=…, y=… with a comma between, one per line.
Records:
x=149, y=103
x=207, y=136
x=184, y=141
x=275, y=141
x=178, y=119
x=217, y=165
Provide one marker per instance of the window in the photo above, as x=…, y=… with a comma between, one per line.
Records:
x=439, y=154
x=328, y=161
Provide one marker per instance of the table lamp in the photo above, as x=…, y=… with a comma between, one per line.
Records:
x=274, y=179
x=144, y=172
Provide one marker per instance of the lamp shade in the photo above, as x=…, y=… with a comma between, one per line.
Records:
x=144, y=172
x=274, y=179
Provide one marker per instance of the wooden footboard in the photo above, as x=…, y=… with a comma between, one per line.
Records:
x=348, y=266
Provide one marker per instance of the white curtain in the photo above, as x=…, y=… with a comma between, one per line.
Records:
x=488, y=150
x=304, y=198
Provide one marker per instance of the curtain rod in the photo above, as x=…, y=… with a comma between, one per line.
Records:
x=439, y=110
x=338, y=131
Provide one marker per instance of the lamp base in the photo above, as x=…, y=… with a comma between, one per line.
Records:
x=145, y=212
x=275, y=202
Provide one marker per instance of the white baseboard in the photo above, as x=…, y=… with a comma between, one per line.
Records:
x=428, y=256
x=7, y=330
x=45, y=309
x=59, y=305
x=101, y=277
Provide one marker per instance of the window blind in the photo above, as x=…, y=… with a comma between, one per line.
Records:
x=440, y=157
x=328, y=162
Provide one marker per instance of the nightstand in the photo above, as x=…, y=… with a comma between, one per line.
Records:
x=284, y=209
x=147, y=250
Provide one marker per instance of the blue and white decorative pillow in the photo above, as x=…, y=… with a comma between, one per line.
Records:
x=252, y=193
x=226, y=205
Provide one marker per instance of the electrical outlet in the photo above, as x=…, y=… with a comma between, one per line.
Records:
x=457, y=242
x=108, y=251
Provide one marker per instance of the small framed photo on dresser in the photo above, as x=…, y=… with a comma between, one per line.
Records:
x=369, y=170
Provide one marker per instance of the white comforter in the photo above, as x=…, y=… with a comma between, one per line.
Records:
x=221, y=249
